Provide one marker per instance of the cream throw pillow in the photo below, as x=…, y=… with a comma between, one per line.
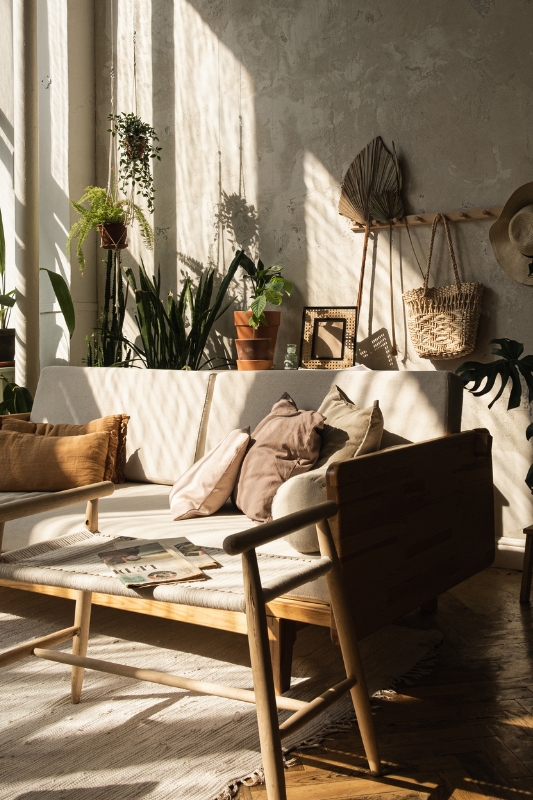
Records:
x=206, y=486
x=349, y=431
x=51, y=463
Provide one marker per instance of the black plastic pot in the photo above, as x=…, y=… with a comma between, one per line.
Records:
x=7, y=344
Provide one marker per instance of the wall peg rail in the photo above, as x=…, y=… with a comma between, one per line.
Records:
x=464, y=215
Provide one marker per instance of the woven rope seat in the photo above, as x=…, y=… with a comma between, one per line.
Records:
x=72, y=563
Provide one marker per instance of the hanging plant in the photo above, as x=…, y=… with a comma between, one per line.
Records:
x=110, y=216
x=136, y=140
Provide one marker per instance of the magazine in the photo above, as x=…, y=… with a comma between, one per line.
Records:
x=192, y=552
x=143, y=563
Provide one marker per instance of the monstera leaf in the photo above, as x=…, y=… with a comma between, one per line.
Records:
x=508, y=368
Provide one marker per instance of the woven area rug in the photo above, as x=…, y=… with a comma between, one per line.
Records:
x=128, y=739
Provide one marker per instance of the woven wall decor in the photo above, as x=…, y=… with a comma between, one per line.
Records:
x=443, y=320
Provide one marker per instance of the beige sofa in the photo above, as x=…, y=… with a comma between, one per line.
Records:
x=414, y=519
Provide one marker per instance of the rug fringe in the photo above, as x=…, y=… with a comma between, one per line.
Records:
x=419, y=670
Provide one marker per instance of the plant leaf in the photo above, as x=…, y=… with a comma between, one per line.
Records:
x=64, y=298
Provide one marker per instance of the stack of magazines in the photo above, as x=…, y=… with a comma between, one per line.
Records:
x=147, y=563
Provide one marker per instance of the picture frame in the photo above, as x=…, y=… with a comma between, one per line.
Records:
x=328, y=338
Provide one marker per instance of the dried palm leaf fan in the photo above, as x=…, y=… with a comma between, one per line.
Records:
x=371, y=190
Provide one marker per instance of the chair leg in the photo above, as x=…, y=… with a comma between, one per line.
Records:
x=82, y=619
x=281, y=638
x=2, y=526
x=267, y=715
x=350, y=650
x=527, y=569
x=430, y=606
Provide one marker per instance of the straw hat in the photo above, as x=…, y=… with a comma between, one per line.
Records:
x=511, y=236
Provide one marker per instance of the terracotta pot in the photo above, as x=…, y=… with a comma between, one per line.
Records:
x=135, y=147
x=253, y=365
x=253, y=349
x=268, y=331
x=7, y=345
x=114, y=236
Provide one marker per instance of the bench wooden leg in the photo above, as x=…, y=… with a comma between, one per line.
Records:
x=265, y=698
x=281, y=638
x=350, y=650
x=527, y=569
x=82, y=619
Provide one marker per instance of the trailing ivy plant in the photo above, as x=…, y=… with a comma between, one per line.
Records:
x=137, y=144
x=507, y=368
x=174, y=333
x=103, y=207
x=267, y=287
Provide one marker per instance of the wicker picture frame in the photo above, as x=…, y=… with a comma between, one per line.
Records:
x=328, y=337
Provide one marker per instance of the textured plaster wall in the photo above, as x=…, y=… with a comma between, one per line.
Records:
x=266, y=104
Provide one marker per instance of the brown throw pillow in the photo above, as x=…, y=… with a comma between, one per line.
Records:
x=349, y=431
x=51, y=463
x=115, y=425
x=285, y=443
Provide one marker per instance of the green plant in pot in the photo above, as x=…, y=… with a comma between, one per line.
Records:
x=509, y=367
x=257, y=328
x=7, y=301
x=110, y=215
x=137, y=143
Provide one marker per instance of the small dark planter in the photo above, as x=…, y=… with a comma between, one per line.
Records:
x=253, y=349
x=114, y=236
x=7, y=344
x=135, y=147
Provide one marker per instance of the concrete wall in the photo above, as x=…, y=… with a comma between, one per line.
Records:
x=261, y=107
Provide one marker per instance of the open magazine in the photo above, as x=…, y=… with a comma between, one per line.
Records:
x=148, y=563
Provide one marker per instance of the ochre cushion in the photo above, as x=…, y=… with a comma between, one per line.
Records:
x=115, y=425
x=51, y=463
x=206, y=486
x=285, y=443
x=349, y=431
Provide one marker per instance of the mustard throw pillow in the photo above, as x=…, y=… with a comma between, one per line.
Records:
x=115, y=425
x=285, y=443
x=51, y=463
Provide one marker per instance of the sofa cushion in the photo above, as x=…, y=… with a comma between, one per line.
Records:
x=206, y=486
x=167, y=410
x=115, y=425
x=285, y=443
x=51, y=463
x=298, y=493
x=349, y=431
x=416, y=405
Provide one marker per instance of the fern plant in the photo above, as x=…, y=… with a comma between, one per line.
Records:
x=103, y=208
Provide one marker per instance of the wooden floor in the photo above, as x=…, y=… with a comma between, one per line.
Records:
x=464, y=732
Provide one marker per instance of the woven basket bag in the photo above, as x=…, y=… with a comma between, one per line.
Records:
x=443, y=320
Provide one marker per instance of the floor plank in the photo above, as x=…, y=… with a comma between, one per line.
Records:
x=464, y=732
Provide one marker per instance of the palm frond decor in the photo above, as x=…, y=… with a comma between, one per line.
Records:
x=370, y=191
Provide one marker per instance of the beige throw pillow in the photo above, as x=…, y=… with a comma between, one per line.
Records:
x=51, y=463
x=206, y=486
x=115, y=425
x=285, y=443
x=349, y=431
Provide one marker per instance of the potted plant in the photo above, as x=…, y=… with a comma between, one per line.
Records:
x=257, y=329
x=110, y=215
x=7, y=301
x=137, y=149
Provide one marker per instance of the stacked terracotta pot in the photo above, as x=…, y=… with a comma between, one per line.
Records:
x=255, y=346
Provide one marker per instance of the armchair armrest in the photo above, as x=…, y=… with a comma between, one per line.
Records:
x=243, y=541
x=25, y=507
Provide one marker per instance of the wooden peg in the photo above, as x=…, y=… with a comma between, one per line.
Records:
x=486, y=213
x=419, y=219
x=462, y=215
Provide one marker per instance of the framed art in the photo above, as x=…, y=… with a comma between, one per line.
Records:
x=328, y=337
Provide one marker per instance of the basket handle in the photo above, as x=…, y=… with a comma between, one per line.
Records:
x=450, y=248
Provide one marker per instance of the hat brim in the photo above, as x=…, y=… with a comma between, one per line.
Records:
x=508, y=257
